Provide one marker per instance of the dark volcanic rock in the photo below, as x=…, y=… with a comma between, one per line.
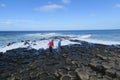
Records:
x=1, y=54
x=75, y=62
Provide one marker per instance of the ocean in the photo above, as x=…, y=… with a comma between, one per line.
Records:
x=39, y=39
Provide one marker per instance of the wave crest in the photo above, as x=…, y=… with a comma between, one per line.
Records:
x=42, y=35
x=49, y=35
x=86, y=36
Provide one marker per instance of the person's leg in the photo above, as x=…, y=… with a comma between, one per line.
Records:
x=59, y=49
x=50, y=48
x=59, y=53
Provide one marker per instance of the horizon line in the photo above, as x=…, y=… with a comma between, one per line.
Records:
x=61, y=30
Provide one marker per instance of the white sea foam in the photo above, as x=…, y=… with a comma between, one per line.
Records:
x=97, y=41
x=85, y=36
x=36, y=45
x=44, y=43
x=103, y=42
x=13, y=46
x=43, y=35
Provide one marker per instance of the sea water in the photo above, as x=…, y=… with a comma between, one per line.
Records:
x=40, y=39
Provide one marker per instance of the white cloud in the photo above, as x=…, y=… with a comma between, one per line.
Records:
x=117, y=5
x=6, y=22
x=2, y=5
x=13, y=22
x=66, y=1
x=50, y=7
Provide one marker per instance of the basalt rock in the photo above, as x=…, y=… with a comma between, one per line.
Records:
x=1, y=54
x=111, y=73
x=118, y=75
x=83, y=75
x=86, y=61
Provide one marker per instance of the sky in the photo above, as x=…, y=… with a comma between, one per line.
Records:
x=22, y=15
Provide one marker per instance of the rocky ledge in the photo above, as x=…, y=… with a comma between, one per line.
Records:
x=74, y=62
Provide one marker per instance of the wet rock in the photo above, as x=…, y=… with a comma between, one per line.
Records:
x=10, y=43
x=72, y=74
x=71, y=68
x=99, y=75
x=83, y=75
x=111, y=73
x=65, y=77
x=26, y=61
x=101, y=57
x=107, y=78
x=107, y=66
x=52, y=63
x=62, y=71
x=27, y=42
x=92, y=73
x=117, y=68
x=78, y=62
x=22, y=41
x=118, y=75
x=96, y=67
x=42, y=76
x=93, y=77
x=78, y=69
x=119, y=56
x=65, y=55
x=1, y=54
x=57, y=75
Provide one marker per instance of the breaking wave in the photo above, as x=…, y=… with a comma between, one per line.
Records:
x=42, y=43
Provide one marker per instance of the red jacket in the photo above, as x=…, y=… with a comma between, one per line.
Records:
x=51, y=44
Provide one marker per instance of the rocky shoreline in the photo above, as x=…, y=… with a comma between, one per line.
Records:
x=85, y=61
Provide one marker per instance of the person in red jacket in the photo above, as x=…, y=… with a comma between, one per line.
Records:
x=51, y=44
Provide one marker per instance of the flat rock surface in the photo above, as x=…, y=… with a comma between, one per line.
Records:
x=74, y=62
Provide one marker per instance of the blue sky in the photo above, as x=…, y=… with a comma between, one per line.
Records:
x=59, y=14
